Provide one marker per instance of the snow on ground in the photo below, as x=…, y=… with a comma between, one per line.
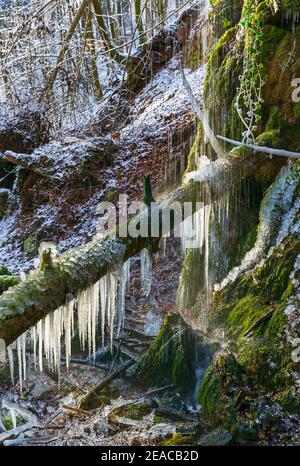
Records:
x=160, y=114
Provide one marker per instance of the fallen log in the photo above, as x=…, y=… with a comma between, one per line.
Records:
x=88, y=399
x=48, y=287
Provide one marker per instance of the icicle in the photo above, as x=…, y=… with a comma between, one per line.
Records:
x=192, y=231
x=112, y=292
x=146, y=272
x=33, y=339
x=40, y=337
x=95, y=314
x=68, y=317
x=277, y=203
x=103, y=305
x=19, y=352
x=125, y=279
x=13, y=416
x=107, y=296
x=11, y=363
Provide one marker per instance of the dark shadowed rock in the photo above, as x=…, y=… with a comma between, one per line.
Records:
x=23, y=133
x=66, y=161
x=4, y=196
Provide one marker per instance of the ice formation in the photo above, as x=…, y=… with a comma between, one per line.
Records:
x=277, y=205
x=146, y=272
x=195, y=229
x=104, y=299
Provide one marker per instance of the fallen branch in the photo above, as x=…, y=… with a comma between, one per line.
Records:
x=154, y=391
x=85, y=362
x=262, y=319
x=87, y=400
x=174, y=415
x=19, y=430
x=30, y=442
x=43, y=291
x=264, y=149
x=203, y=117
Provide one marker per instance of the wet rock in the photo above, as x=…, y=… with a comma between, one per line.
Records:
x=218, y=437
x=244, y=432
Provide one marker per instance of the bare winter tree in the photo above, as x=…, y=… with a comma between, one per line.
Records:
x=62, y=56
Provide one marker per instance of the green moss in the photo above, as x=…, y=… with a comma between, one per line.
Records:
x=217, y=391
x=30, y=246
x=244, y=314
x=288, y=400
x=178, y=439
x=4, y=270
x=7, y=421
x=269, y=138
x=244, y=245
x=291, y=4
x=296, y=110
x=6, y=281
x=194, y=151
x=135, y=411
x=168, y=359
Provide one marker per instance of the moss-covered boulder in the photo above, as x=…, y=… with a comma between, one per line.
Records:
x=169, y=358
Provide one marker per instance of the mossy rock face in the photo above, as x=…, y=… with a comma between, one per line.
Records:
x=224, y=14
x=169, y=358
x=280, y=60
x=219, y=389
x=263, y=362
x=269, y=138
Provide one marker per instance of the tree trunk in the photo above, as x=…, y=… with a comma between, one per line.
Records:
x=114, y=54
x=22, y=306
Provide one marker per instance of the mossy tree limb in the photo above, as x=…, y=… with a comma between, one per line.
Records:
x=25, y=304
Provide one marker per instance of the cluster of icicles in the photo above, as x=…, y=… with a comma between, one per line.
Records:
x=99, y=307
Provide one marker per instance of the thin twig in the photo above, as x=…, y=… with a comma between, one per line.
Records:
x=267, y=150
